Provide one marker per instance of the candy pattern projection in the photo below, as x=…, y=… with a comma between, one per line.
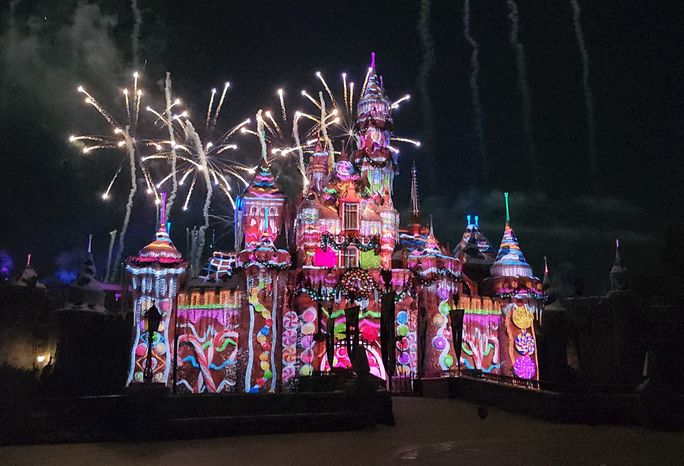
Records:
x=155, y=274
x=406, y=346
x=337, y=290
x=208, y=327
x=482, y=322
x=263, y=297
x=522, y=341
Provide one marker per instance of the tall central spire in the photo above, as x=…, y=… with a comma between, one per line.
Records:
x=415, y=203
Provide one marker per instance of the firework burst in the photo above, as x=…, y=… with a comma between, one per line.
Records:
x=123, y=138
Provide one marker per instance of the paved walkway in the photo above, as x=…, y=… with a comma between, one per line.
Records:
x=427, y=431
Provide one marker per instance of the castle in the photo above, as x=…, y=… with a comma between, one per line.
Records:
x=349, y=287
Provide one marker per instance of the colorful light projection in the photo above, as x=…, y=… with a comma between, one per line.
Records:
x=406, y=325
x=155, y=275
x=263, y=290
x=208, y=327
x=482, y=321
x=522, y=341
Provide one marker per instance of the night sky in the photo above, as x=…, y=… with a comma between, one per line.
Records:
x=50, y=193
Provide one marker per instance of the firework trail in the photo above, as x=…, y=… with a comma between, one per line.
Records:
x=428, y=51
x=189, y=155
x=298, y=143
x=135, y=34
x=262, y=135
x=174, y=156
x=588, y=95
x=124, y=137
x=130, y=148
x=112, y=240
x=192, y=136
x=475, y=88
x=523, y=87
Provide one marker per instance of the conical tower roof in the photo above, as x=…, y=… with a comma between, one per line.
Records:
x=510, y=261
x=374, y=103
x=474, y=245
x=263, y=184
x=86, y=276
x=619, y=275
x=86, y=293
x=161, y=248
x=28, y=277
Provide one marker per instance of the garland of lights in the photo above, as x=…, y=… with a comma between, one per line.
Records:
x=315, y=295
x=329, y=240
x=357, y=283
x=532, y=294
x=401, y=295
x=265, y=265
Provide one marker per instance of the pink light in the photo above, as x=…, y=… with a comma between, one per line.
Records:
x=325, y=258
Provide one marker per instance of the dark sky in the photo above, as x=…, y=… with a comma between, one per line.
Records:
x=50, y=194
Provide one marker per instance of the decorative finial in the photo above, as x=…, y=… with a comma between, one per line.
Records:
x=477, y=220
x=90, y=243
x=432, y=230
x=546, y=266
x=28, y=260
x=508, y=214
x=162, y=210
x=372, y=65
x=468, y=219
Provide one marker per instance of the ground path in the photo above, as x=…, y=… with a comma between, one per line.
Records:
x=427, y=431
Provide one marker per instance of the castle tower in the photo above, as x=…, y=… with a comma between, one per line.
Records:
x=28, y=277
x=373, y=132
x=317, y=169
x=619, y=275
x=308, y=229
x=259, y=210
x=86, y=293
x=521, y=297
x=155, y=275
x=475, y=252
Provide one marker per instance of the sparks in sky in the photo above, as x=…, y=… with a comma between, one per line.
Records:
x=202, y=155
x=123, y=137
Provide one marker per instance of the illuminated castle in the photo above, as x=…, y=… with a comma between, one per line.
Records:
x=259, y=318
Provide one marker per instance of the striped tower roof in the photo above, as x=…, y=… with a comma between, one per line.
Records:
x=510, y=261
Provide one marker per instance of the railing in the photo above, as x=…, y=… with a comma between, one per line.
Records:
x=401, y=384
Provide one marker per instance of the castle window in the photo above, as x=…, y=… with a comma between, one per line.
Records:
x=350, y=258
x=351, y=216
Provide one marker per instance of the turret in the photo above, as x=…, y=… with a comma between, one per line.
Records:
x=28, y=277
x=317, y=169
x=619, y=275
x=259, y=209
x=155, y=275
x=86, y=293
x=373, y=131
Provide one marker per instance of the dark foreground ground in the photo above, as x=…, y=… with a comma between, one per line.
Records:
x=427, y=431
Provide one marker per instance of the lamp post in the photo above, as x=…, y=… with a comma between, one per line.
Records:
x=153, y=318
